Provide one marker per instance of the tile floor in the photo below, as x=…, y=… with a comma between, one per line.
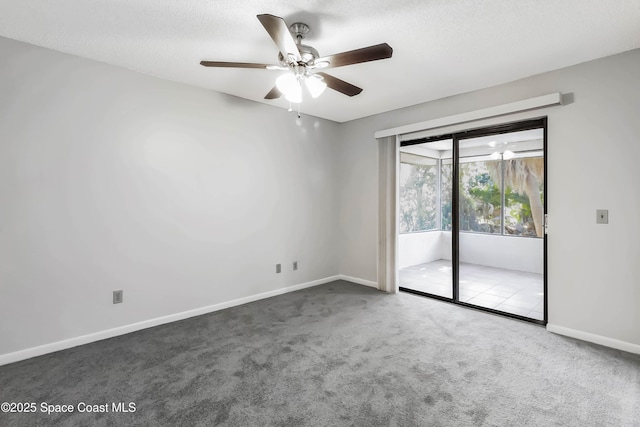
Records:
x=511, y=291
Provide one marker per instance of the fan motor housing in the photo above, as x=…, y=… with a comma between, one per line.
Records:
x=308, y=54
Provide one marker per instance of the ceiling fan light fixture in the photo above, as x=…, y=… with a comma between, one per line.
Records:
x=295, y=95
x=289, y=85
x=315, y=85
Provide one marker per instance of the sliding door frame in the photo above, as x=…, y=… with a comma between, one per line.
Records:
x=536, y=123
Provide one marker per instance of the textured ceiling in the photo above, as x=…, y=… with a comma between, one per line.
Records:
x=441, y=47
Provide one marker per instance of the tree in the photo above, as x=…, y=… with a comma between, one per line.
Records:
x=418, y=197
x=524, y=175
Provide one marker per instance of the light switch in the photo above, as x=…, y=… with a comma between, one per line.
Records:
x=602, y=216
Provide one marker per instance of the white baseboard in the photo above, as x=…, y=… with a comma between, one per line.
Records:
x=357, y=280
x=596, y=339
x=121, y=330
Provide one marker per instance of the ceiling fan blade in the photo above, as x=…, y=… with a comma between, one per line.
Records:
x=279, y=32
x=365, y=54
x=273, y=94
x=340, y=85
x=233, y=64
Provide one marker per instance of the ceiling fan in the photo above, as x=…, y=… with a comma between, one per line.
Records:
x=303, y=61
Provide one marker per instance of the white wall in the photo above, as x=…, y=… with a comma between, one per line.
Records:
x=179, y=196
x=594, y=144
x=513, y=253
x=419, y=248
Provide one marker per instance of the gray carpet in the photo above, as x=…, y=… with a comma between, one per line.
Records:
x=337, y=354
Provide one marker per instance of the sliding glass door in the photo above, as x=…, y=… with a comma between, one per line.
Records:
x=480, y=242
x=501, y=196
x=425, y=197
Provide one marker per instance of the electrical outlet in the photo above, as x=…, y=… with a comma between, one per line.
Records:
x=117, y=297
x=295, y=265
x=602, y=216
x=278, y=268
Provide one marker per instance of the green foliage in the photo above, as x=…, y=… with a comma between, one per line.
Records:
x=480, y=200
x=446, y=197
x=418, y=198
